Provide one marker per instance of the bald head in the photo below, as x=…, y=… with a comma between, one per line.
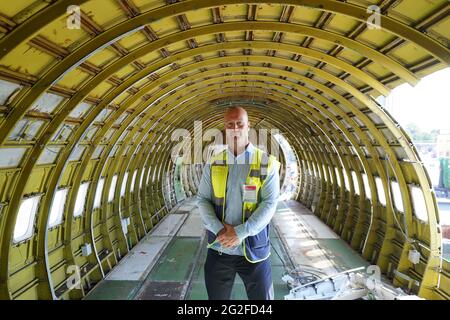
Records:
x=236, y=113
x=236, y=118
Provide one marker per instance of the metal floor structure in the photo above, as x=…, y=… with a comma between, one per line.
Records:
x=168, y=262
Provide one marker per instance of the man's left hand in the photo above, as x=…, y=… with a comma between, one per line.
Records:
x=228, y=238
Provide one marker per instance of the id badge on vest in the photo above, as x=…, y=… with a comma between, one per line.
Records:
x=249, y=193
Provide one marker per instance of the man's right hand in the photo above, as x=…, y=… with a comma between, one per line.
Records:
x=228, y=237
x=222, y=231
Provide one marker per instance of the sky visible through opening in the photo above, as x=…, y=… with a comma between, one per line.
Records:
x=427, y=104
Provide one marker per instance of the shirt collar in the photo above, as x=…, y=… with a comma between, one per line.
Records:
x=248, y=150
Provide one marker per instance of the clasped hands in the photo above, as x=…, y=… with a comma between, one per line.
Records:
x=227, y=237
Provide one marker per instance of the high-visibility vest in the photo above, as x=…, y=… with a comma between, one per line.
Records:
x=255, y=248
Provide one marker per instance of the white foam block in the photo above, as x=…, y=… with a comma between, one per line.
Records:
x=193, y=226
x=140, y=260
x=317, y=228
x=169, y=225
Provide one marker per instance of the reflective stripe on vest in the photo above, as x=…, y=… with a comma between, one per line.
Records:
x=259, y=167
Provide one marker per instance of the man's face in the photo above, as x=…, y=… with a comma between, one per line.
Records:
x=236, y=126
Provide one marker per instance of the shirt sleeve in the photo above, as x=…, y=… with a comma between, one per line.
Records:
x=206, y=209
x=261, y=217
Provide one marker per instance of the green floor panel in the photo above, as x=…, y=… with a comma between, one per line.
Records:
x=198, y=291
x=114, y=290
x=277, y=273
x=278, y=255
x=176, y=262
x=161, y=290
x=272, y=233
x=238, y=279
x=280, y=290
x=238, y=292
x=275, y=259
x=279, y=287
x=342, y=255
x=200, y=274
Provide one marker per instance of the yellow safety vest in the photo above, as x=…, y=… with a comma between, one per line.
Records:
x=255, y=248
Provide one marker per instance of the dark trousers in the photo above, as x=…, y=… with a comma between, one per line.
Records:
x=221, y=269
